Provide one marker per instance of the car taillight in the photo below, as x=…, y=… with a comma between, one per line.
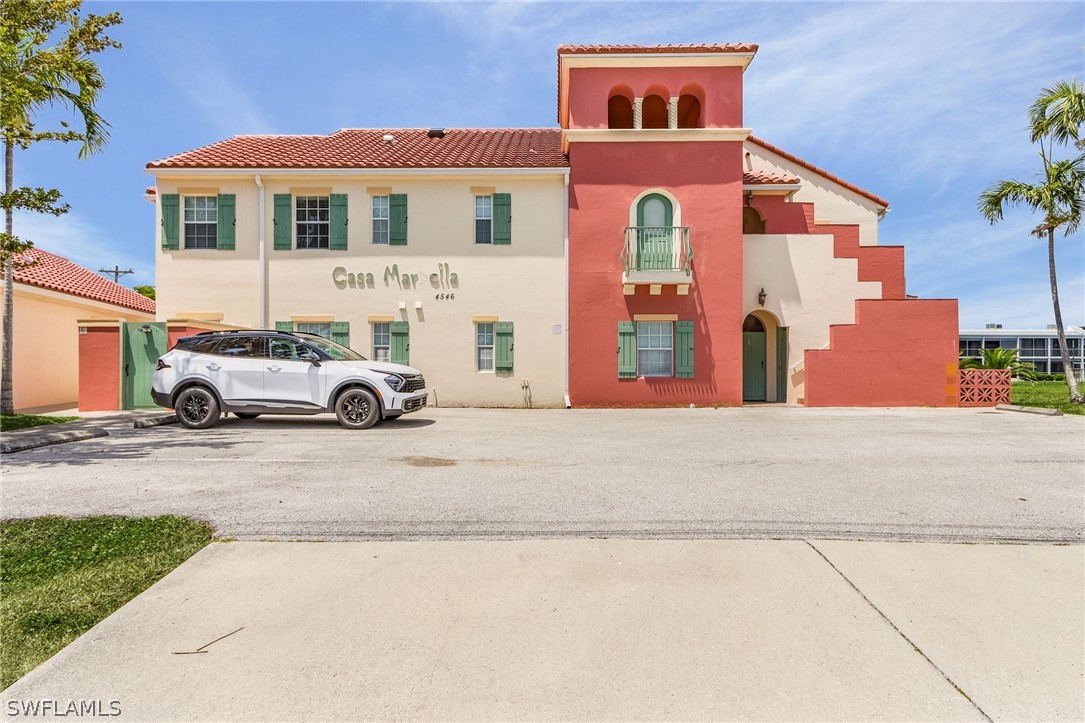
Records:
x=162, y=365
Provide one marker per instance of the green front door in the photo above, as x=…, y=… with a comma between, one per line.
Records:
x=753, y=366
x=655, y=234
x=141, y=346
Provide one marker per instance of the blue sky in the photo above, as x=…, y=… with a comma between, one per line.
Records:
x=921, y=103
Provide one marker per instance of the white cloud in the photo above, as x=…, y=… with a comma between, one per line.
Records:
x=1024, y=305
x=81, y=241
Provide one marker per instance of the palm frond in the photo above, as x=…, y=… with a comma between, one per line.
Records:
x=1059, y=112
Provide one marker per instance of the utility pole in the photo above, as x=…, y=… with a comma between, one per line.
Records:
x=116, y=272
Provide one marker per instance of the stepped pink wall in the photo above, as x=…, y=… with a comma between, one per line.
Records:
x=899, y=353
x=706, y=178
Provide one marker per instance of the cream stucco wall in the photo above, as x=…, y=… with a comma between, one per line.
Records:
x=523, y=282
x=833, y=203
x=46, y=344
x=807, y=290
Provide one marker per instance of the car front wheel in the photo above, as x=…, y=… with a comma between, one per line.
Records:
x=357, y=409
x=197, y=408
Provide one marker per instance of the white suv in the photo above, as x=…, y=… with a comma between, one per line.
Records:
x=251, y=373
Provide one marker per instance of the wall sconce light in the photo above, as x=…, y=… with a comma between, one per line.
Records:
x=146, y=328
x=748, y=197
x=761, y=296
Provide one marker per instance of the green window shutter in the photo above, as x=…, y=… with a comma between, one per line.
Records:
x=503, y=346
x=397, y=215
x=341, y=332
x=781, y=363
x=503, y=218
x=627, y=350
x=227, y=222
x=683, y=349
x=284, y=212
x=337, y=222
x=171, y=220
x=284, y=326
x=401, y=342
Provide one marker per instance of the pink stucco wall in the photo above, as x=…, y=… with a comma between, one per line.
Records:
x=718, y=89
x=899, y=353
x=706, y=179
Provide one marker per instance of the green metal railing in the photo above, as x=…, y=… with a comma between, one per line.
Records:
x=657, y=248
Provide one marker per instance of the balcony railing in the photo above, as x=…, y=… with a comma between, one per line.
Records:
x=657, y=248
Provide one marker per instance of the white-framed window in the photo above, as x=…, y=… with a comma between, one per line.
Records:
x=382, y=342
x=380, y=219
x=655, y=349
x=484, y=219
x=201, y=222
x=323, y=329
x=484, y=347
x=312, y=217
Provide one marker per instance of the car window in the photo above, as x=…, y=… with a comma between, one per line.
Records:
x=240, y=346
x=283, y=348
x=198, y=345
x=333, y=350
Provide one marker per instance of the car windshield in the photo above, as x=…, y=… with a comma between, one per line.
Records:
x=335, y=351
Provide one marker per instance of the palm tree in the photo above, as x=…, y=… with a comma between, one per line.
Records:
x=1000, y=359
x=34, y=76
x=1058, y=194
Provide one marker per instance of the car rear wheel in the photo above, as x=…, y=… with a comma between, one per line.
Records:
x=357, y=408
x=245, y=415
x=197, y=408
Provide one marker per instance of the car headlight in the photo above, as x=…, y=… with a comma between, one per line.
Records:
x=393, y=381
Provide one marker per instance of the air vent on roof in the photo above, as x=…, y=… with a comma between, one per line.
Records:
x=388, y=138
x=436, y=133
x=994, y=326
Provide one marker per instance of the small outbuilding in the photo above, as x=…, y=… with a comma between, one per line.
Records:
x=53, y=300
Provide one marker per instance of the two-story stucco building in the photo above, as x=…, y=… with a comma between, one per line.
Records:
x=648, y=251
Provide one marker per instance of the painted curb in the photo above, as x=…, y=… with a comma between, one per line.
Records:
x=1029, y=410
x=155, y=421
x=44, y=440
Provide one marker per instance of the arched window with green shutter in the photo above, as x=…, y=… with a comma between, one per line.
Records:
x=655, y=233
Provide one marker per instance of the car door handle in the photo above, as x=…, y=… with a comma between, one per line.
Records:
x=214, y=367
x=274, y=368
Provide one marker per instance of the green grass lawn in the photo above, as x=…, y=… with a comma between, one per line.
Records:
x=9, y=422
x=61, y=576
x=1053, y=395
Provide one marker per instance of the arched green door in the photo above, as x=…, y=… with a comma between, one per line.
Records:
x=655, y=233
x=754, y=378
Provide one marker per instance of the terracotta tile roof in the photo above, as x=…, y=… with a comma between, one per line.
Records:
x=767, y=177
x=638, y=49
x=365, y=148
x=57, y=273
x=820, y=171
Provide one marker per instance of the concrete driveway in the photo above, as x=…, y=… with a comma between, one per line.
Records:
x=928, y=474
x=590, y=630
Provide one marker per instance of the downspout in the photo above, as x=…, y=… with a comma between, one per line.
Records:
x=568, y=404
x=261, y=243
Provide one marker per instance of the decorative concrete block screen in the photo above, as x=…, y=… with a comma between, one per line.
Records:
x=984, y=387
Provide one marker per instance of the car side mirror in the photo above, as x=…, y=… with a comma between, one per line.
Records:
x=315, y=362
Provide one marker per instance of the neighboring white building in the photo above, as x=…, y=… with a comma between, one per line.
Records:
x=440, y=249
x=1038, y=346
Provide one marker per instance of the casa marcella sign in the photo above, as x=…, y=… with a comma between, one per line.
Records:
x=443, y=278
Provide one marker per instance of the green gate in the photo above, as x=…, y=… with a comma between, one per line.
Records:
x=141, y=345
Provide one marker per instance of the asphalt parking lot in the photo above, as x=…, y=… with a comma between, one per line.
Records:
x=759, y=472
